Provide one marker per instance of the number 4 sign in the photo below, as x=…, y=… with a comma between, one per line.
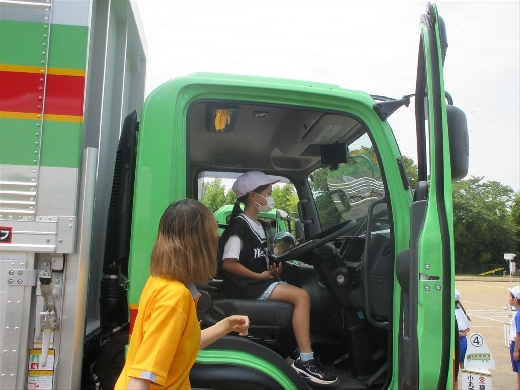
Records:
x=478, y=356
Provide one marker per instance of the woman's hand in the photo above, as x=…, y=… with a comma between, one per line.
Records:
x=275, y=270
x=239, y=324
x=229, y=324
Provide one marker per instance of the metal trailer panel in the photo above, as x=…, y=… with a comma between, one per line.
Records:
x=17, y=278
x=115, y=87
x=76, y=280
x=90, y=57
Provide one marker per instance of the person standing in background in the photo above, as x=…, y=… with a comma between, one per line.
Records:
x=463, y=325
x=514, y=335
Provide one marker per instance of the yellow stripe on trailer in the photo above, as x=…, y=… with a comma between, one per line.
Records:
x=41, y=70
x=35, y=116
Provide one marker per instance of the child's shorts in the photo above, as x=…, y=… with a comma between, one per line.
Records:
x=514, y=363
x=463, y=348
x=269, y=290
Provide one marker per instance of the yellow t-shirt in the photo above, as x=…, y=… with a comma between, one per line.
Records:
x=166, y=336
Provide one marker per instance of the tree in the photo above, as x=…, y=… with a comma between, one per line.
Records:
x=484, y=229
x=214, y=196
x=411, y=171
x=515, y=217
x=231, y=197
x=285, y=198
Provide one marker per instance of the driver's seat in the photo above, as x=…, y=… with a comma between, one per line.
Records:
x=267, y=318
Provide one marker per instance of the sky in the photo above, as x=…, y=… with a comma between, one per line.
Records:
x=360, y=45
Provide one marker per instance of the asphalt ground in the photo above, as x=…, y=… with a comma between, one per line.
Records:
x=485, y=300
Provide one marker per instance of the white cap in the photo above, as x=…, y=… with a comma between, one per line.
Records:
x=457, y=295
x=515, y=291
x=249, y=181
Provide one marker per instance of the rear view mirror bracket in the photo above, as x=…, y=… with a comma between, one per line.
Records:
x=388, y=106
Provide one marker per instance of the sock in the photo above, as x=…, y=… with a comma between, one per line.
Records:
x=305, y=357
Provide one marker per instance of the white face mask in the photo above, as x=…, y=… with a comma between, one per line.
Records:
x=265, y=208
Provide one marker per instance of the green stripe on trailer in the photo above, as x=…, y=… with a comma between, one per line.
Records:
x=238, y=358
x=67, y=47
x=19, y=140
x=19, y=143
x=27, y=47
x=61, y=144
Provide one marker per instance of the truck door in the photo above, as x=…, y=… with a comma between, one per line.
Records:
x=425, y=270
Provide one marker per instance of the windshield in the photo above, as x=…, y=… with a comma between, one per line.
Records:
x=345, y=193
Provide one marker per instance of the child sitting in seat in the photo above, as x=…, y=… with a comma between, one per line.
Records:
x=243, y=255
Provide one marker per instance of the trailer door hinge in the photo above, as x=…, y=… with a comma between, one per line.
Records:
x=48, y=307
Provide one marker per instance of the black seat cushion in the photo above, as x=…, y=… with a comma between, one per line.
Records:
x=260, y=313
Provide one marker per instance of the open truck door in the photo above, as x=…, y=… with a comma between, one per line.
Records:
x=425, y=271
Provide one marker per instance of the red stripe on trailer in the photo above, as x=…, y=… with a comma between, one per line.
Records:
x=65, y=95
x=21, y=92
x=24, y=92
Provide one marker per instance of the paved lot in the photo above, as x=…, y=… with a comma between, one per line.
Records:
x=485, y=301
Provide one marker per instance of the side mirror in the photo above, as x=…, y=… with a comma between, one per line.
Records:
x=458, y=135
x=298, y=230
x=340, y=201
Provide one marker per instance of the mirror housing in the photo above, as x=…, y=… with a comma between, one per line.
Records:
x=334, y=154
x=458, y=135
x=298, y=230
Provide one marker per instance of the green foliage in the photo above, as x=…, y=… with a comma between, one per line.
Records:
x=285, y=198
x=484, y=229
x=515, y=217
x=411, y=171
x=231, y=198
x=214, y=196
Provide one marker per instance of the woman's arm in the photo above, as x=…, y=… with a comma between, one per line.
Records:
x=234, y=267
x=138, y=384
x=229, y=324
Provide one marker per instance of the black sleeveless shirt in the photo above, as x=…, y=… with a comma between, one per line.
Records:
x=252, y=256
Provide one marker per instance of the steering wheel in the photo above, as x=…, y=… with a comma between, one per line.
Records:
x=315, y=242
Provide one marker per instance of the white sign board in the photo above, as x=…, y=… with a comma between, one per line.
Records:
x=473, y=380
x=478, y=356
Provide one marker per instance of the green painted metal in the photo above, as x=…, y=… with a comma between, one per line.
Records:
x=19, y=140
x=430, y=254
x=238, y=358
x=27, y=48
x=430, y=308
x=61, y=144
x=68, y=46
x=160, y=176
x=19, y=143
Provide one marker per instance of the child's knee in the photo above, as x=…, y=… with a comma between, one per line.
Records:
x=304, y=296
